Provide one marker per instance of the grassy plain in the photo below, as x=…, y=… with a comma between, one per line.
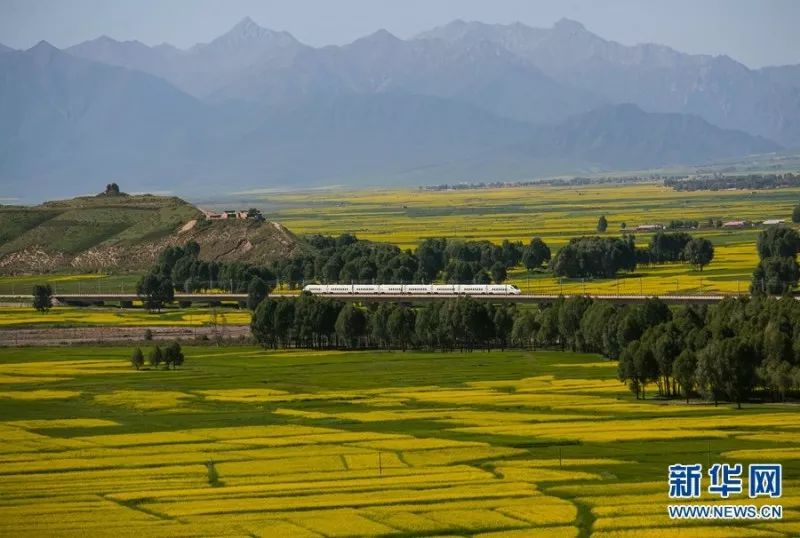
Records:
x=73, y=226
x=556, y=214
x=359, y=444
x=71, y=283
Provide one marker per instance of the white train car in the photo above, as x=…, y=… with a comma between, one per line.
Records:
x=412, y=289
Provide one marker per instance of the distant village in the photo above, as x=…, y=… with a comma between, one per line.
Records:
x=732, y=224
x=229, y=214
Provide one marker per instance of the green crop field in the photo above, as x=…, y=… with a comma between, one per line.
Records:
x=71, y=283
x=11, y=317
x=556, y=214
x=246, y=442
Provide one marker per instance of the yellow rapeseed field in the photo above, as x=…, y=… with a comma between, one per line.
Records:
x=545, y=449
x=406, y=216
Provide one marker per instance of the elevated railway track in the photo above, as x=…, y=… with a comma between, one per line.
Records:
x=127, y=299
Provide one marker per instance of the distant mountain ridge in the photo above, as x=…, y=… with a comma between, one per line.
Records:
x=571, y=69
x=257, y=108
x=655, y=77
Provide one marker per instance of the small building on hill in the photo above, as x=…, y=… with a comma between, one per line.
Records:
x=773, y=222
x=211, y=215
x=230, y=214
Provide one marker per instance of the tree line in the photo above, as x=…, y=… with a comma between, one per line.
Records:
x=348, y=259
x=777, y=272
x=723, y=182
x=170, y=357
x=604, y=257
x=181, y=269
x=309, y=321
x=723, y=352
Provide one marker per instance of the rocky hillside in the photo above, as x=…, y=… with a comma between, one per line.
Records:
x=126, y=233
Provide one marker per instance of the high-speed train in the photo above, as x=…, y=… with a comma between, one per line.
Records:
x=412, y=289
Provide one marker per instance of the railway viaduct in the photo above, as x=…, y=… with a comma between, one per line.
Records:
x=125, y=299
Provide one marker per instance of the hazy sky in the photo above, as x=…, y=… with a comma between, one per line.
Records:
x=755, y=32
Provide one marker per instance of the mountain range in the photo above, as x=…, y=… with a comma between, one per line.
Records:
x=256, y=108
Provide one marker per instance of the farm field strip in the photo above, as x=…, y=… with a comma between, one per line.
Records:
x=75, y=316
x=299, y=451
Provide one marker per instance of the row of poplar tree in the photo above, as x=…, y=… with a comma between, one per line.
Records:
x=722, y=352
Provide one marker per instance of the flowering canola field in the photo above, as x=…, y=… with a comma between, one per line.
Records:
x=556, y=214
x=243, y=442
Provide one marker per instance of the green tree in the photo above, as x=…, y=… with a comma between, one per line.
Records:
x=499, y=273
x=778, y=377
x=350, y=325
x=425, y=327
x=698, y=252
x=154, y=290
x=548, y=333
x=137, y=358
x=378, y=325
x=262, y=323
x=284, y=321
x=431, y=259
x=726, y=368
x=775, y=276
x=42, y=297
x=598, y=257
x=257, y=291
x=503, y=320
x=569, y=320
x=477, y=324
x=602, y=224
x=155, y=357
x=400, y=325
x=683, y=371
x=459, y=272
x=796, y=214
x=666, y=344
x=173, y=355
x=593, y=325
x=523, y=331
x=778, y=242
x=668, y=246
x=535, y=254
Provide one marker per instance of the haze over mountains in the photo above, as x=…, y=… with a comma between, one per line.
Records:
x=255, y=108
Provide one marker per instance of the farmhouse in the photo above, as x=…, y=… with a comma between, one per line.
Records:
x=773, y=222
x=251, y=214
